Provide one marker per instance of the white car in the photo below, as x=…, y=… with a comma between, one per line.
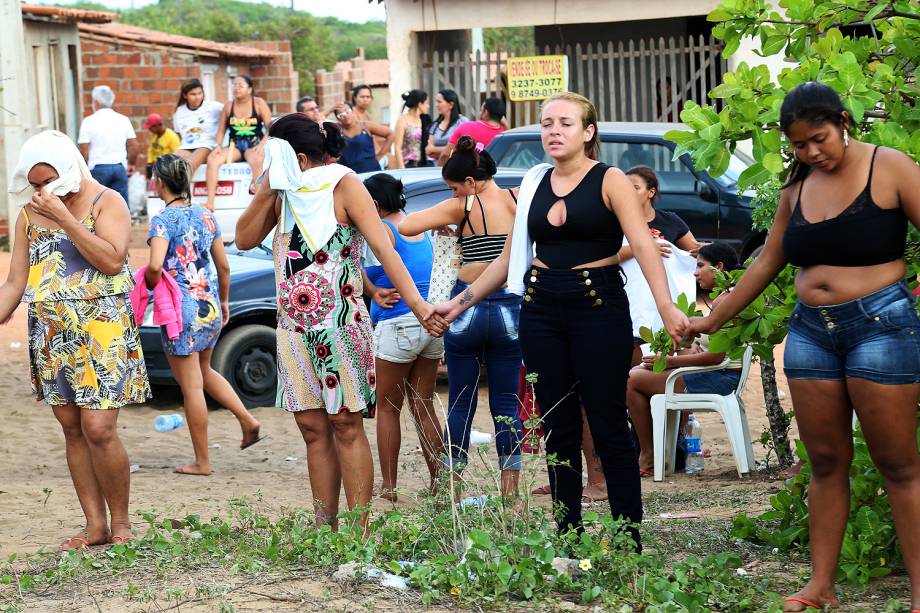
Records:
x=231, y=199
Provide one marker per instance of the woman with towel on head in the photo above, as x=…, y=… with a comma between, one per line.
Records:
x=69, y=264
x=323, y=215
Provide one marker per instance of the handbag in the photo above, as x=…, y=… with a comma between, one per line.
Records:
x=445, y=266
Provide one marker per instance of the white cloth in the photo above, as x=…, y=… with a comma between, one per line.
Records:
x=642, y=309
x=137, y=193
x=521, y=245
x=107, y=133
x=56, y=150
x=306, y=195
x=198, y=128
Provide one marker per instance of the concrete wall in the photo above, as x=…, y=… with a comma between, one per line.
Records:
x=405, y=18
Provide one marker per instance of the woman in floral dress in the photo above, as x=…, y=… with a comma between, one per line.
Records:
x=69, y=264
x=184, y=241
x=323, y=214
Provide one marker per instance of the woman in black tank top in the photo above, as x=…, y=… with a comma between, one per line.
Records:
x=575, y=330
x=854, y=337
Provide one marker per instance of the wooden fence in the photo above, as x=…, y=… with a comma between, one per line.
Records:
x=626, y=80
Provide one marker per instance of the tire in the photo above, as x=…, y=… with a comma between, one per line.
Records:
x=755, y=253
x=245, y=357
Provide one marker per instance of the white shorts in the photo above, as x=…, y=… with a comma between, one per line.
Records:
x=403, y=339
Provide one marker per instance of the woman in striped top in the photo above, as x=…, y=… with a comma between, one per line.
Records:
x=483, y=214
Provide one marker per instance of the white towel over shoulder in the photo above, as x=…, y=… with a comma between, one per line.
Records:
x=306, y=195
x=642, y=310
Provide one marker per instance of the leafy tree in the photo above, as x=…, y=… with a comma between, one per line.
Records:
x=868, y=51
x=515, y=40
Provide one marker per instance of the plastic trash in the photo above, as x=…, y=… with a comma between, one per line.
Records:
x=476, y=501
x=480, y=438
x=693, y=437
x=165, y=423
x=134, y=468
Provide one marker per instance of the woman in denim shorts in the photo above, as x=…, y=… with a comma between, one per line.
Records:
x=854, y=337
x=405, y=355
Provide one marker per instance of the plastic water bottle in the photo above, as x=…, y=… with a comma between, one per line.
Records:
x=165, y=423
x=693, y=436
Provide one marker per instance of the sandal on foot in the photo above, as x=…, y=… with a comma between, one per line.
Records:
x=121, y=539
x=543, y=490
x=255, y=439
x=644, y=472
x=75, y=542
x=808, y=604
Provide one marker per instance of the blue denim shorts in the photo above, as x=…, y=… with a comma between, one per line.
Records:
x=876, y=337
x=721, y=382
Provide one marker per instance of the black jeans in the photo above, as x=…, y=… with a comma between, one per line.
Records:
x=576, y=335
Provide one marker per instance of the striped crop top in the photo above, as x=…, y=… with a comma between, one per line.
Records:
x=484, y=248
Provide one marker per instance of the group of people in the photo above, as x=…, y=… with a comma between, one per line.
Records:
x=107, y=139
x=540, y=284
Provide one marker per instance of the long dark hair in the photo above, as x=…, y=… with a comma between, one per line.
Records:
x=189, y=86
x=468, y=161
x=456, y=110
x=815, y=103
x=413, y=98
x=316, y=141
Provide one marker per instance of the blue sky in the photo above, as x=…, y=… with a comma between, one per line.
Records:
x=348, y=10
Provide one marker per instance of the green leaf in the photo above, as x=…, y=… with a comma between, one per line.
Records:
x=719, y=163
x=875, y=12
x=712, y=133
x=773, y=45
x=725, y=90
x=773, y=162
x=646, y=334
x=679, y=136
x=755, y=174
x=480, y=539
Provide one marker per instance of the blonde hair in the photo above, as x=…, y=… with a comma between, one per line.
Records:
x=588, y=118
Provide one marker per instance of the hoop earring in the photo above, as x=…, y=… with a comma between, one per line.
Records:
x=846, y=138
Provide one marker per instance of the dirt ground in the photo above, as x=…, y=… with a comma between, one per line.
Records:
x=38, y=507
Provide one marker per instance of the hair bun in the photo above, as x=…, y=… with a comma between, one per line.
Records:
x=333, y=141
x=466, y=144
x=405, y=95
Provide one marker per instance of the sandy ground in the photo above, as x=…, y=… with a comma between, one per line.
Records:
x=39, y=508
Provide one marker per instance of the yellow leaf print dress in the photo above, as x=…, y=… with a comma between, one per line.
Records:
x=84, y=346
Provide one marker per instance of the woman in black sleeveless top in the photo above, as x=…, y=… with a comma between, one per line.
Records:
x=575, y=330
x=854, y=337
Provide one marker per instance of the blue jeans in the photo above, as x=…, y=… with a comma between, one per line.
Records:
x=485, y=333
x=721, y=382
x=113, y=176
x=876, y=337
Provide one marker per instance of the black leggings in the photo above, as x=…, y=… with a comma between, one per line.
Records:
x=576, y=335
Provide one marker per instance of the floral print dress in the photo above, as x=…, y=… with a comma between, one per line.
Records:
x=190, y=230
x=325, y=341
x=84, y=347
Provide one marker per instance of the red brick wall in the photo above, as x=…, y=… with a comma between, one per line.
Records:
x=275, y=79
x=148, y=80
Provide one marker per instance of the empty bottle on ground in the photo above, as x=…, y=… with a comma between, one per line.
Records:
x=693, y=435
x=165, y=423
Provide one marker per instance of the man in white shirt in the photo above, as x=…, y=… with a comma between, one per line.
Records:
x=104, y=140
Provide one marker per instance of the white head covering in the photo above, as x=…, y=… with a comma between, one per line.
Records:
x=306, y=195
x=56, y=150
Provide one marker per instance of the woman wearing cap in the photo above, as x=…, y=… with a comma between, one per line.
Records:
x=69, y=264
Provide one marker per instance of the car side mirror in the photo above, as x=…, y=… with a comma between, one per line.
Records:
x=705, y=191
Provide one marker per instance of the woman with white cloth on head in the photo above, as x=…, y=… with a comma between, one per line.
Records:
x=69, y=264
x=326, y=373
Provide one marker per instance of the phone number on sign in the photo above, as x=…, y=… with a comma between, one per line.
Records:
x=545, y=82
x=534, y=94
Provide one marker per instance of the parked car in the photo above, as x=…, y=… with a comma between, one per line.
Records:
x=231, y=198
x=713, y=208
x=245, y=352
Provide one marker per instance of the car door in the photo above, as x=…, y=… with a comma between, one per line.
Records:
x=680, y=191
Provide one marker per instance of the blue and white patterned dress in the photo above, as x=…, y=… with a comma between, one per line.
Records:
x=190, y=231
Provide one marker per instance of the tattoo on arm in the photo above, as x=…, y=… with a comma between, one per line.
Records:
x=467, y=297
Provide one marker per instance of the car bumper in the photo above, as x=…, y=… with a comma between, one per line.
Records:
x=158, y=371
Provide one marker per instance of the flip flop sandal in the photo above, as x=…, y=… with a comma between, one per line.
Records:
x=251, y=443
x=75, y=542
x=543, y=490
x=808, y=604
x=643, y=472
x=122, y=539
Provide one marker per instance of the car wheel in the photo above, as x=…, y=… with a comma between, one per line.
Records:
x=245, y=357
x=755, y=253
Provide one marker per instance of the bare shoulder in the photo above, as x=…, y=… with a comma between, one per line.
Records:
x=109, y=201
x=349, y=187
x=894, y=161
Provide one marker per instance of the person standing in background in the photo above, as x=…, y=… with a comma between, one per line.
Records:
x=490, y=124
x=450, y=116
x=409, y=129
x=162, y=140
x=104, y=139
x=361, y=99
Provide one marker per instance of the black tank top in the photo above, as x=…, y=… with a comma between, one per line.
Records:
x=863, y=234
x=591, y=231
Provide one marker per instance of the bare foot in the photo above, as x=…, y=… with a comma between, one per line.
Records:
x=594, y=492
x=250, y=436
x=809, y=597
x=202, y=470
x=85, y=538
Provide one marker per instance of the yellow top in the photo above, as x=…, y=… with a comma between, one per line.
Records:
x=168, y=142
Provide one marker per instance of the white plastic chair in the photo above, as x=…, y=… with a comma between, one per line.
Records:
x=667, y=407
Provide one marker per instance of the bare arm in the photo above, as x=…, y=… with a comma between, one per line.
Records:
x=400, y=136
x=265, y=114
x=378, y=129
x=688, y=242
x=259, y=217
x=758, y=275
x=222, y=127
x=446, y=152
x=158, y=248
x=106, y=249
x=444, y=213
x=11, y=291
x=222, y=266
x=84, y=150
